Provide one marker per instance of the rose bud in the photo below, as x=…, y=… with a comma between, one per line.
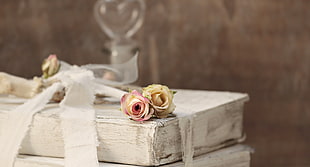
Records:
x=161, y=99
x=50, y=66
x=136, y=106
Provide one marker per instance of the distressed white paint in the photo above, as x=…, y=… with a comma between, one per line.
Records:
x=217, y=122
x=235, y=156
x=16, y=125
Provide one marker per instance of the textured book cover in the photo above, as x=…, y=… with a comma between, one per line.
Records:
x=208, y=120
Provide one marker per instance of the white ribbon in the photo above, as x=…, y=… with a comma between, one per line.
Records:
x=17, y=125
x=78, y=119
x=125, y=73
x=77, y=116
x=186, y=131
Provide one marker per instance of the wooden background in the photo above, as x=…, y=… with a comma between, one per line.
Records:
x=259, y=47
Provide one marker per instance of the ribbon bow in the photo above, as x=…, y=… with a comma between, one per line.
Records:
x=77, y=113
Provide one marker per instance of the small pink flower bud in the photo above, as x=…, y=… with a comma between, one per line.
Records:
x=50, y=66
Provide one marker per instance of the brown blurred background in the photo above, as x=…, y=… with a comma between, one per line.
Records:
x=259, y=47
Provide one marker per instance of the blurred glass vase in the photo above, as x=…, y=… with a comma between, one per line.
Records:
x=120, y=20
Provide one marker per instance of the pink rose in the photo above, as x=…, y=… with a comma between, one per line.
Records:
x=50, y=66
x=136, y=106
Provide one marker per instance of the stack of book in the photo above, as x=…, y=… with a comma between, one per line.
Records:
x=215, y=127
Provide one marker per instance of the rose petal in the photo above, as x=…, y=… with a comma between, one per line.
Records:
x=136, y=106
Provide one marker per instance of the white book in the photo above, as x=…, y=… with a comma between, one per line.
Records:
x=235, y=156
x=217, y=122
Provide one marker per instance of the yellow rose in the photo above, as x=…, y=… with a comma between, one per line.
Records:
x=161, y=99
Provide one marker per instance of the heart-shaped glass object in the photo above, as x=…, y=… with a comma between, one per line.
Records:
x=119, y=18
